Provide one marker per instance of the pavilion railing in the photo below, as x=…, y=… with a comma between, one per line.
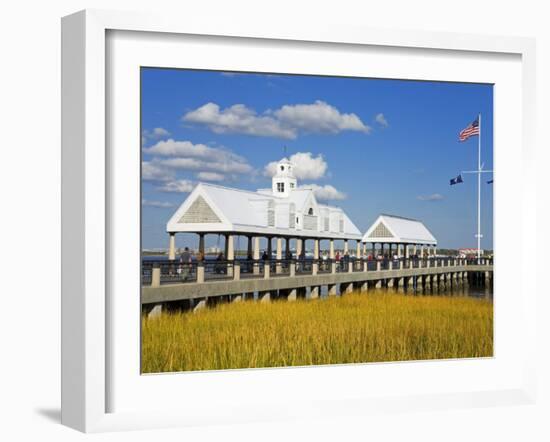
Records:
x=170, y=272
x=358, y=265
x=280, y=267
x=304, y=266
x=324, y=265
x=251, y=268
x=218, y=269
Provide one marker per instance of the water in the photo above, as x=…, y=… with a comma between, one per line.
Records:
x=462, y=290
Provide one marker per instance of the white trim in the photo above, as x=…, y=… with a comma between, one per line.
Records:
x=85, y=248
x=396, y=238
x=83, y=222
x=174, y=226
x=379, y=220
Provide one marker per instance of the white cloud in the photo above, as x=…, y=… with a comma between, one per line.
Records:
x=156, y=134
x=179, y=186
x=184, y=155
x=318, y=117
x=210, y=176
x=432, y=197
x=306, y=166
x=326, y=192
x=381, y=120
x=171, y=147
x=194, y=164
x=151, y=171
x=157, y=204
x=160, y=132
x=237, y=119
x=285, y=122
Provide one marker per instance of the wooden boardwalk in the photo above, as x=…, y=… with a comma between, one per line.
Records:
x=404, y=275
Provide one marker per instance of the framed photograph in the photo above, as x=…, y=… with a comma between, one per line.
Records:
x=272, y=223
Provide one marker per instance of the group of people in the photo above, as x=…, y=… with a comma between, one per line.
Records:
x=187, y=257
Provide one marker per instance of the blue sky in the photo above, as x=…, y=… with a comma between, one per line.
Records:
x=371, y=146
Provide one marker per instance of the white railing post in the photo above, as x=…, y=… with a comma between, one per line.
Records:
x=155, y=277
x=200, y=272
x=236, y=271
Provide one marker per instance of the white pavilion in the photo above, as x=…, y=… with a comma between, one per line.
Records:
x=285, y=211
x=400, y=234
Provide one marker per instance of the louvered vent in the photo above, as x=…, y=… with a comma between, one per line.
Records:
x=199, y=212
x=271, y=213
x=292, y=216
x=380, y=231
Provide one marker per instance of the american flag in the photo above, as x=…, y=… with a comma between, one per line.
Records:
x=470, y=131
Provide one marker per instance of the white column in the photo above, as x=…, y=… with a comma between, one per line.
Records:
x=279, y=255
x=299, y=244
x=230, y=247
x=331, y=256
x=358, y=249
x=172, y=246
x=256, y=255
x=315, y=256
x=230, y=253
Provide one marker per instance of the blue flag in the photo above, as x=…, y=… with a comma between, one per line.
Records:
x=456, y=180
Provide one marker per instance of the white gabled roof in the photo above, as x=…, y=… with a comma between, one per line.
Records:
x=397, y=229
x=213, y=208
x=299, y=197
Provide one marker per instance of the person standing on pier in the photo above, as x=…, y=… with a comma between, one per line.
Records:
x=185, y=262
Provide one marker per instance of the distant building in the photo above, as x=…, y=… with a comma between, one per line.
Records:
x=466, y=253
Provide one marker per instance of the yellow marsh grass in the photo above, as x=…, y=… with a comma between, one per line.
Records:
x=352, y=328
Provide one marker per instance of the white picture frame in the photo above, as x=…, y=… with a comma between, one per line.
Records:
x=86, y=214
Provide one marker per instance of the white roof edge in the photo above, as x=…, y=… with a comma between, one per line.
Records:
x=404, y=230
x=259, y=230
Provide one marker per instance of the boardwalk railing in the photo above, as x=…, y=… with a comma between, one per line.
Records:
x=157, y=272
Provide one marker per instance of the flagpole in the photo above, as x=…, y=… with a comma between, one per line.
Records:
x=479, y=190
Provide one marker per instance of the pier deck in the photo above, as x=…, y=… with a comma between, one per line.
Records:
x=270, y=282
